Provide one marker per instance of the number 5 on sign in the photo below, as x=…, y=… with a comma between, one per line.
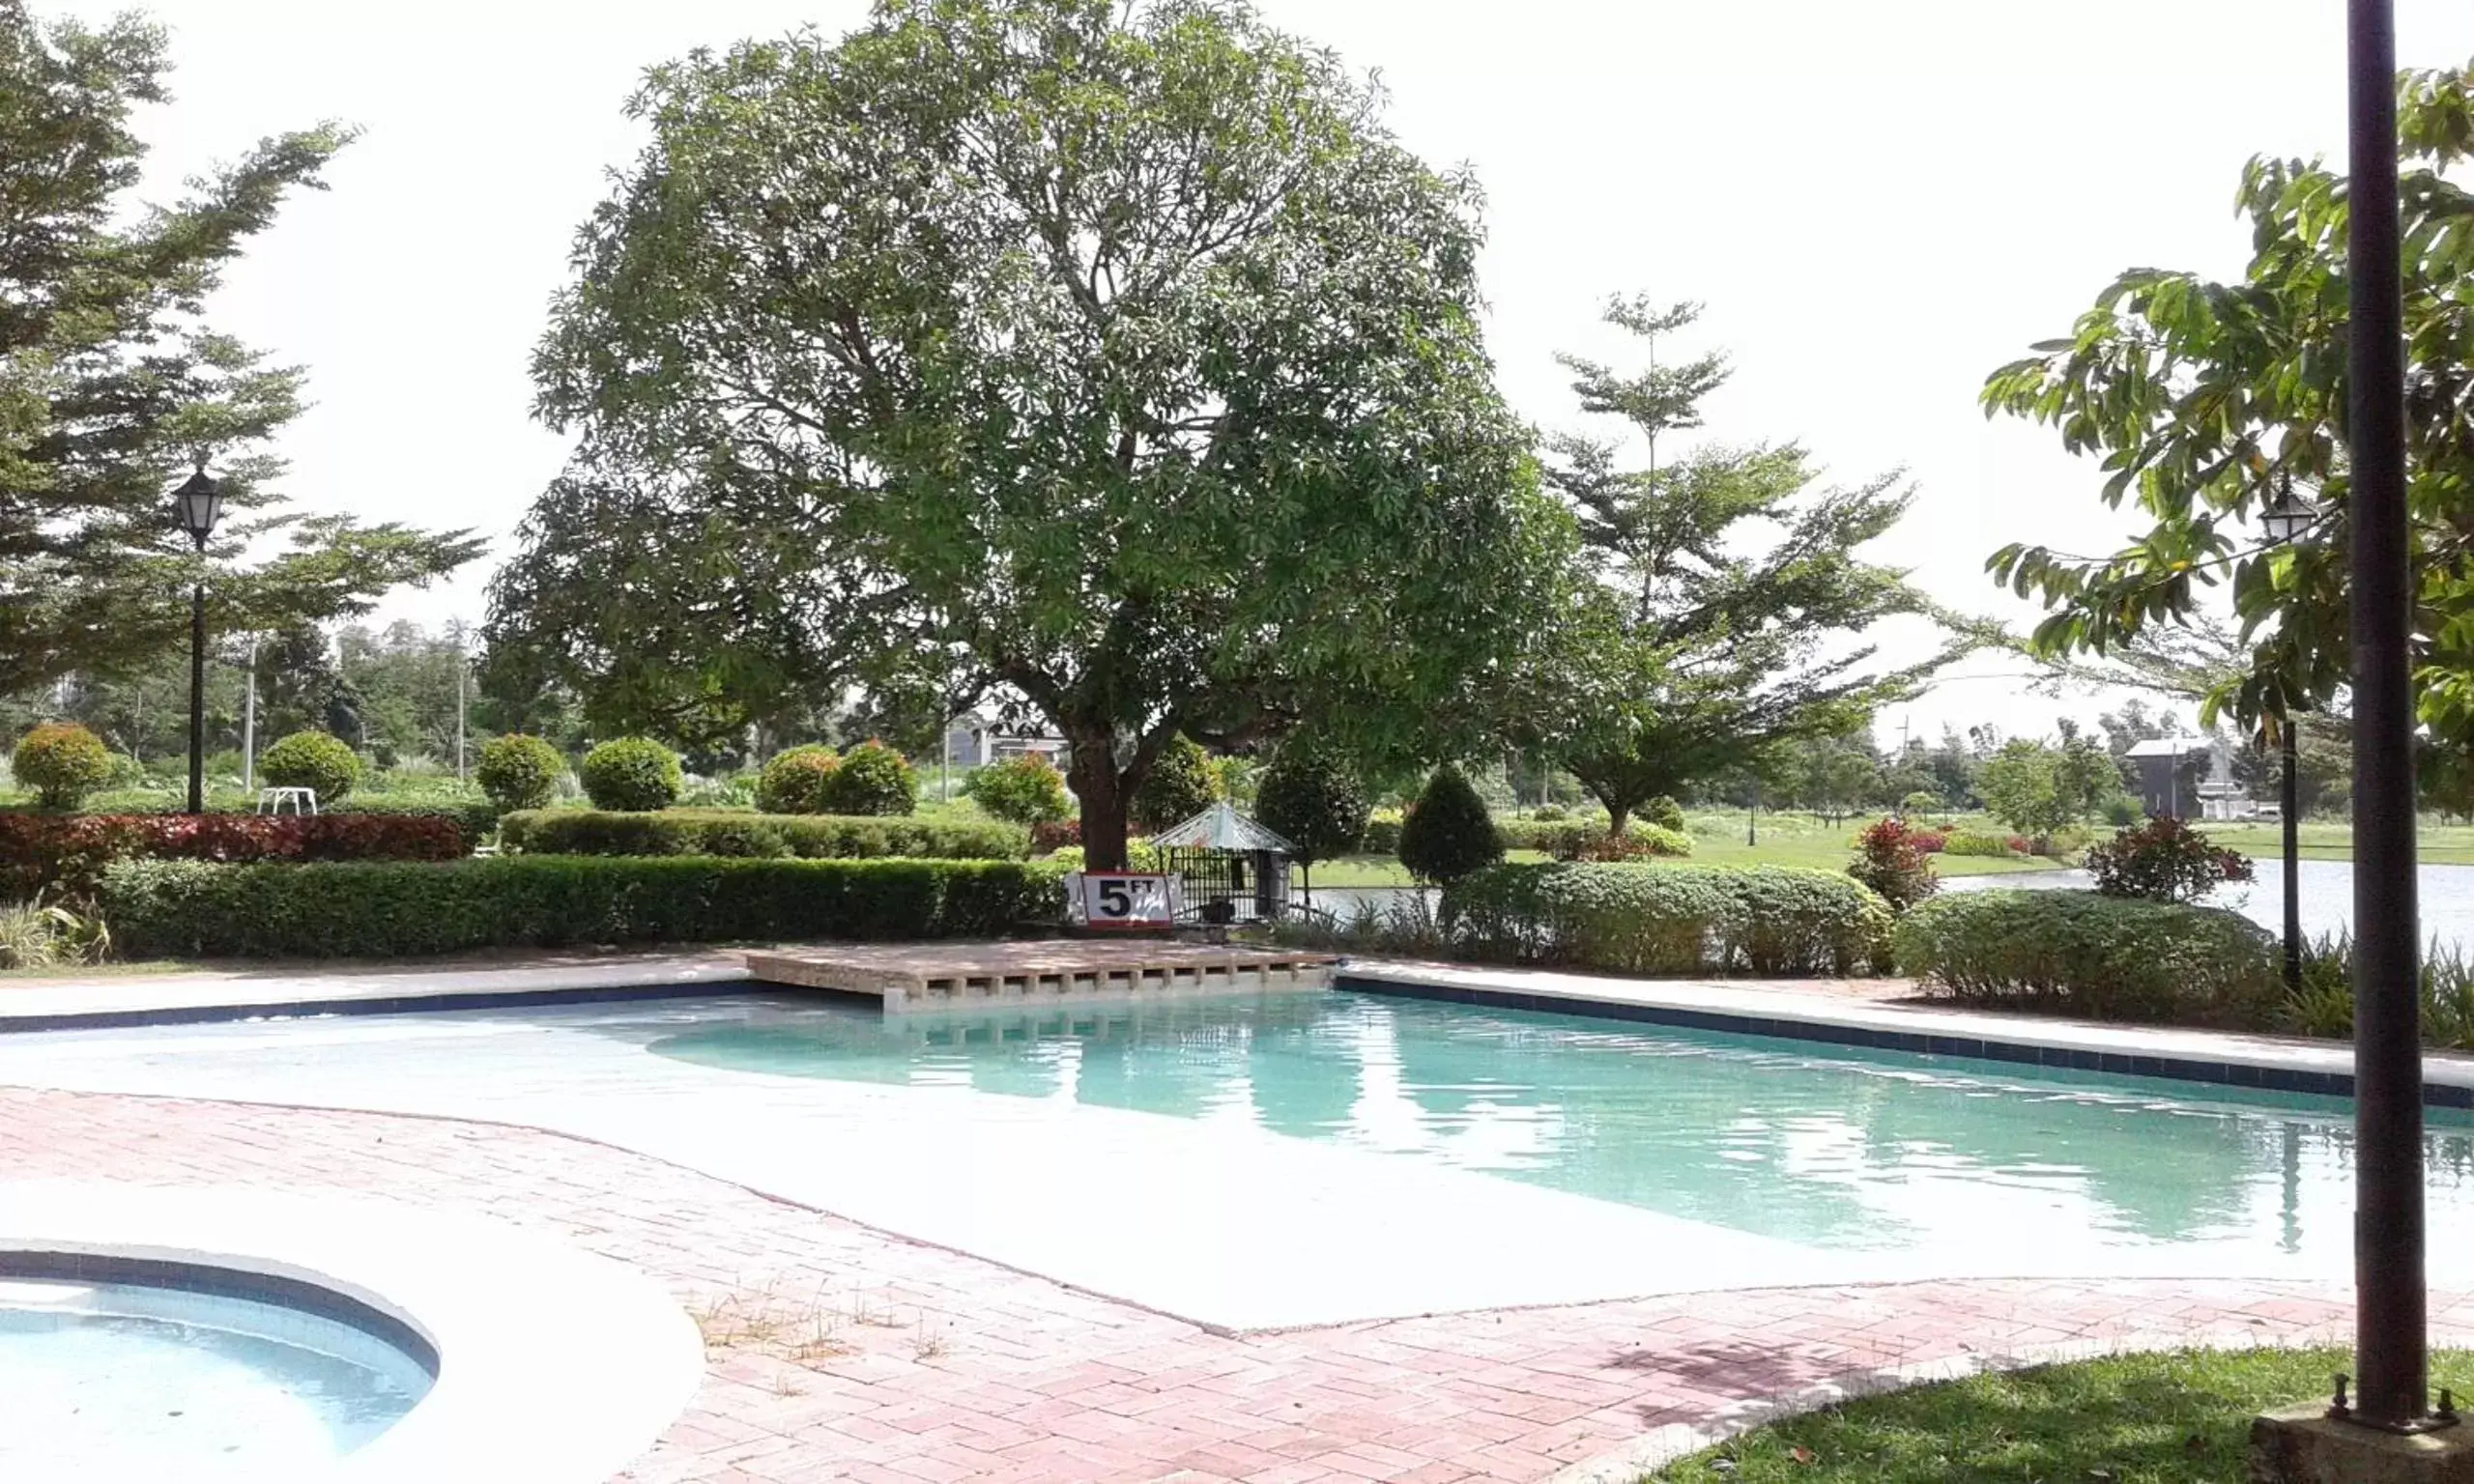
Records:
x=1111, y=899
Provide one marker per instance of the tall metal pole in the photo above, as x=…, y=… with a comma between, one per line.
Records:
x=2289, y=806
x=197, y=692
x=249, y=724
x=2389, y=1303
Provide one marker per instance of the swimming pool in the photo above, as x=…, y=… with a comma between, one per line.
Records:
x=1329, y=1155
x=115, y=1381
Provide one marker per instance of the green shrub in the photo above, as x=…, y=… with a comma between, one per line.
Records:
x=1664, y=812
x=1766, y=919
x=1312, y=797
x=873, y=779
x=1449, y=833
x=632, y=773
x=519, y=771
x=1181, y=784
x=1976, y=842
x=1026, y=790
x=2121, y=810
x=1546, y=813
x=397, y=908
x=2102, y=957
x=1587, y=840
x=1383, y=832
x=2324, y=1006
x=793, y=782
x=718, y=832
x=1140, y=855
x=312, y=761
x=62, y=762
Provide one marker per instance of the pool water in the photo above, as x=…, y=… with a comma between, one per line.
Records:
x=110, y=1383
x=1828, y=1148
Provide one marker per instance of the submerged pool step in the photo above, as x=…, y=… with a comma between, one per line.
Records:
x=940, y=976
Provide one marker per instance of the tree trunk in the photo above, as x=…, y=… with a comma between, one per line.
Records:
x=1104, y=797
x=1618, y=815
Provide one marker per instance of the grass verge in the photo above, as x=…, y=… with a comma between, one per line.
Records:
x=2177, y=1418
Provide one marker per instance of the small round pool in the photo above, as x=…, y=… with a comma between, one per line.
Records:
x=157, y=1371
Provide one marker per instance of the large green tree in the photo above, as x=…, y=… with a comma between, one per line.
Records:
x=1115, y=349
x=2205, y=401
x=112, y=386
x=1724, y=593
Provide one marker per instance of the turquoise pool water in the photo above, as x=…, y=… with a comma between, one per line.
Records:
x=106, y=1383
x=1824, y=1146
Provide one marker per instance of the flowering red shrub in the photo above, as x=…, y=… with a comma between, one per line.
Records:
x=1049, y=836
x=1928, y=841
x=1889, y=860
x=2021, y=844
x=2164, y=860
x=40, y=852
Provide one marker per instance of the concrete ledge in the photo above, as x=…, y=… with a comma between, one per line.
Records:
x=2301, y=1445
x=2256, y=1061
x=975, y=975
x=101, y=1003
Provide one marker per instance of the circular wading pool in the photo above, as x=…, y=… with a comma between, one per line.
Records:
x=127, y=1369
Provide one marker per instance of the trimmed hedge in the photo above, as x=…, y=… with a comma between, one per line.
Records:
x=631, y=773
x=1578, y=840
x=2102, y=957
x=396, y=909
x=477, y=819
x=722, y=832
x=1765, y=920
x=69, y=852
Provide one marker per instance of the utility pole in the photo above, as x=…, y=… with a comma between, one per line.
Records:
x=2390, y=1304
x=459, y=701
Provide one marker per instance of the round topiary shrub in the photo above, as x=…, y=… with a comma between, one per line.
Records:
x=797, y=781
x=1664, y=812
x=1182, y=785
x=519, y=771
x=1447, y=833
x=873, y=779
x=1026, y=791
x=313, y=760
x=62, y=762
x=1312, y=797
x=633, y=774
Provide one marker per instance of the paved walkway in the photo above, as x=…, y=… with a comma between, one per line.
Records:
x=840, y=1352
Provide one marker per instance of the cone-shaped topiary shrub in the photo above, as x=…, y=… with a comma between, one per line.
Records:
x=1447, y=833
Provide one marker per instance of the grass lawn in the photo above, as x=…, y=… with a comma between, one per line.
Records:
x=2175, y=1418
x=2333, y=840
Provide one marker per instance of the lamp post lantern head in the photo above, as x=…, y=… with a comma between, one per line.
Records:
x=2287, y=515
x=200, y=502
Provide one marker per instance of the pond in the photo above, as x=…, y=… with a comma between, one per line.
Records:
x=2446, y=895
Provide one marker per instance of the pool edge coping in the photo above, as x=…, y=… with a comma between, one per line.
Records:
x=2212, y=1058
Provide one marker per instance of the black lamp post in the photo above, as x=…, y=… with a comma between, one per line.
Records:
x=2391, y=1316
x=200, y=503
x=2286, y=518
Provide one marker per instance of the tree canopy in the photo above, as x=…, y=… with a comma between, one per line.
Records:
x=1723, y=593
x=112, y=386
x=1114, y=353
x=2205, y=401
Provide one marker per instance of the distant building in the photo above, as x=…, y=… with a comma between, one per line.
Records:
x=2164, y=789
x=975, y=738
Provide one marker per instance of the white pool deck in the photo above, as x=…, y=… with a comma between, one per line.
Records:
x=1217, y=1221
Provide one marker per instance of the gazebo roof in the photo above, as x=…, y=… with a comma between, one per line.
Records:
x=1220, y=828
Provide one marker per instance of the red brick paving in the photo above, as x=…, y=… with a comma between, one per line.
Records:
x=841, y=1352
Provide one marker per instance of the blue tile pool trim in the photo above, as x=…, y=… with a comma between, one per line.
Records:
x=216, y=1282
x=1919, y=1043
x=371, y=1005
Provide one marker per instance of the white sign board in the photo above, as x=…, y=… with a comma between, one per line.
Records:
x=1121, y=898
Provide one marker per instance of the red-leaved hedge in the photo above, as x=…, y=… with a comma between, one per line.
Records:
x=42, y=853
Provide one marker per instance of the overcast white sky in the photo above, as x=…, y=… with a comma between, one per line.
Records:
x=1879, y=204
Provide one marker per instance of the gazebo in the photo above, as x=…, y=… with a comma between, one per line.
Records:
x=1230, y=869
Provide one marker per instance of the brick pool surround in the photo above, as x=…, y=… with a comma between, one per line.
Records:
x=938, y=1366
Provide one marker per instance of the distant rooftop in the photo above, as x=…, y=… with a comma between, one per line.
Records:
x=2167, y=747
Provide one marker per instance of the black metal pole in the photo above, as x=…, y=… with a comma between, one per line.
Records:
x=2389, y=1301
x=2289, y=806
x=197, y=695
